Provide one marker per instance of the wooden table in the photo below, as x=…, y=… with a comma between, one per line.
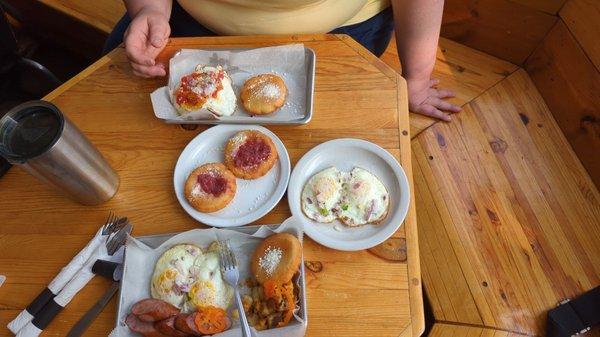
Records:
x=365, y=293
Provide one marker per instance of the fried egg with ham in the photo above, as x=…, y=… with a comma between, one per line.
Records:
x=355, y=198
x=188, y=278
x=321, y=195
x=172, y=278
x=209, y=288
x=365, y=199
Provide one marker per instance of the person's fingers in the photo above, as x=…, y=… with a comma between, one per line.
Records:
x=443, y=93
x=135, y=43
x=431, y=111
x=443, y=105
x=137, y=73
x=148, y=71
x=159, y=32
x=433, y=82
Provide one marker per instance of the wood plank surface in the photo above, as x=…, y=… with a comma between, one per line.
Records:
x=113, y=109
x=457, y=330
x=501, y=194
x=570, y=85
x=581, y=17
x=464, y=70
x=502, y=28
x=411, y=234
x=100, y=14
x=548, y=6
x=444, y=281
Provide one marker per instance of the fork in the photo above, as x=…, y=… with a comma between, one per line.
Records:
x=113, y=224
x=120, y=236
x=231, y=274
x=109, y=224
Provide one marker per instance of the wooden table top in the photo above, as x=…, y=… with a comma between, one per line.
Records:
x=365, y=293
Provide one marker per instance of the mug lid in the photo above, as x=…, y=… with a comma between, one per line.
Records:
x=24, y=136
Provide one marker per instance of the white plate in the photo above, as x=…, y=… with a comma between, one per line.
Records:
x=253, y=199
x=345, y=154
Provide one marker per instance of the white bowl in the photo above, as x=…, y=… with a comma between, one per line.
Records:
x=253, y=199
x=345, y=154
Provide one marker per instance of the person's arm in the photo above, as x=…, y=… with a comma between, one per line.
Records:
x=147, y=35
x=417, y=26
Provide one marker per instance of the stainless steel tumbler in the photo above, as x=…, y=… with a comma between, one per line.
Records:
x=39, y=138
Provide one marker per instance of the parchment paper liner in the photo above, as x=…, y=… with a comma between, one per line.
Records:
x=140, y=260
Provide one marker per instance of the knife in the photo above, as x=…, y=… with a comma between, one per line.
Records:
x=87, y=319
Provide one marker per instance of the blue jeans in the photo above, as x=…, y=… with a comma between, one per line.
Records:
x=374, y=34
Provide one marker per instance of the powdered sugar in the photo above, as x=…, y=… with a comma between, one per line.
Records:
x=269, y=90
x=237, y=141
x=197, y=191
x=263, y=87
x=270, y=260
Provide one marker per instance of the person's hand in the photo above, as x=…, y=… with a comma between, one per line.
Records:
x=145, y=38
x=425, y=99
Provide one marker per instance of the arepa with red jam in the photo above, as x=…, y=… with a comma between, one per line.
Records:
x=250, y=154
x=210, y=187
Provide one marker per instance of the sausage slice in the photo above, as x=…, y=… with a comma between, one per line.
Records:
x=185, y=323
x=146, y=329
x=167, y=327
x=153, y=310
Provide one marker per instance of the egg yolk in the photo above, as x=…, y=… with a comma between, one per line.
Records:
x=203, y=293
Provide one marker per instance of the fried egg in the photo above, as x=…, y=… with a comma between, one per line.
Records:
x=188, y=277
x=172, y=278
x=209, y=288
x=364, y=199
x=322, y=194
x=225, y=102
x=219, y=101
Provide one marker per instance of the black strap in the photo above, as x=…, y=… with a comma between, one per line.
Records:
x=575, y=316
x=45, y=316
x=36, y=305
x=110, y=270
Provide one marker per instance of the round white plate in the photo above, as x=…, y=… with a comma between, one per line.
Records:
x=345, y=154
x=253, y=199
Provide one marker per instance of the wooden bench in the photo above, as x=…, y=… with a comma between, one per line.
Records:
x=509, y=220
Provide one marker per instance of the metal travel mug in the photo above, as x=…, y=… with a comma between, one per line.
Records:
x=39, y=138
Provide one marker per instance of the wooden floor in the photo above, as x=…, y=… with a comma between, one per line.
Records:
x=509, y=221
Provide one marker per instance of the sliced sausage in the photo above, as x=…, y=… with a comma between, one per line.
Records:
x=153, y=310
x=144, y=328
x=185, y=323
x=167, y=327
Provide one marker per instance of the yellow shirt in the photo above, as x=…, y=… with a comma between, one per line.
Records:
x=254, y=17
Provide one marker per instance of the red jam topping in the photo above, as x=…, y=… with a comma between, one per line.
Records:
x=196, y=87
x=252, y=153
x=212, y=184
